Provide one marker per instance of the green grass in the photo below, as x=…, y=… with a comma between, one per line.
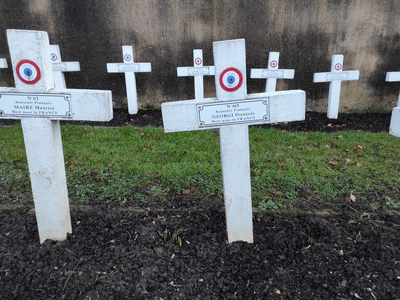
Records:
x=113, y=163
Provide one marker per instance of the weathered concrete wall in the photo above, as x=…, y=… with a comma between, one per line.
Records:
x=306, y=33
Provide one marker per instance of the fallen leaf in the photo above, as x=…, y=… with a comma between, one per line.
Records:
x=111, y=164
x=167, y=154
x=351, y=198
x=332, y=162
x=327, y=146
x=260, y=139
x=161, y=134
x=359, y=165
x=372, y=207
x=284, y=131
x=161, y=218
x=350, y=162
x=142, y=133
x=186, y=192
x=281, y=166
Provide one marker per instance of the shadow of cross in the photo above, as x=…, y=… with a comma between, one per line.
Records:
x=40, y=107
x=232, y=112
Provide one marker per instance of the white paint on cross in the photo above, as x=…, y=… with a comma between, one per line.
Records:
x=198, y=71
x=231, y=112
x=335, y=77
x=40, y=107
x=59, y=67
x=129, y=67
x=272, y=73
x=3, y=63
x=394, y=128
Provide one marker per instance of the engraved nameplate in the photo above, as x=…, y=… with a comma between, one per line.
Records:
x=235, y=112
x=35, y=105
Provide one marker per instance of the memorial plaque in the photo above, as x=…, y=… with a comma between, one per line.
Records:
x=235, y=112
x=35, y=105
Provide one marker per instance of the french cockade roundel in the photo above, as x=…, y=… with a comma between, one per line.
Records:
x=127, y=57
x=53, y=57
x=28, y=71
x=198, y=61
x=273, y=64
x=231, y=79
x=338, y=67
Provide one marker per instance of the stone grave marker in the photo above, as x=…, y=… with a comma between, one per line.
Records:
x=335, y=77
x=59, y=67
x=232, y=111
x=394, y=128
x=198, y=71
x=40, y=107
x=129, y=67
x=272, y=73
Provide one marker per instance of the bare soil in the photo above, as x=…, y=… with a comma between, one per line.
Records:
x=175, y=247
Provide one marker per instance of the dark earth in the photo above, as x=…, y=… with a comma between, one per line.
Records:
x=175, y=247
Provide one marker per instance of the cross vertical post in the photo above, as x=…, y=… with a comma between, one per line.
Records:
x=59, y=67
x=40, y=107
x=394, y=128
x=272, y=73
x=129, y=67
x=335, y=77
x=198, y=71
x=232, y=112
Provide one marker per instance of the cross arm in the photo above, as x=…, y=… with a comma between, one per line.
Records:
x=331, y=76
x=266, y=73
x=66, y=66
x=126, y=67
x=392, y=76
x=283, y=106
x=192, y=71
x=3, y=63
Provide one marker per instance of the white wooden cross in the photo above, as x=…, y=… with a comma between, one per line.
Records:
x=129, y=67
x=60, y=67
x=394, y=128
x=3, y=63
x=40, y=107
x=232, y=112
x=335, y=77
x=272, y=73
x=198, y=71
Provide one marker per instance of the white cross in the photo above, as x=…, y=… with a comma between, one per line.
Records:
x=272, y=73
x=60, y=67
x=40, y=107
x=232, y=111
x=198, y=71
x=394, y=128
x=3, y=63
x=129, y=68
x=335, y=77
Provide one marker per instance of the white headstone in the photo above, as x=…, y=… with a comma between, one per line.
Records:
x=129, y=67
x=232, y=111
x=40, y=107
x=394, y=128
x=60, y=67
x=198, y=71
x=3, y=63
x=335, y=77
x=272, y=73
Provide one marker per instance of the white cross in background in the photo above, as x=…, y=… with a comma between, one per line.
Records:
x=129, y=68
x=395, y=120
x=272, y=73
x=232, y=112
x=198, y=71
x=60, y=67
x=335, y=77
x=3, y=63
x=40, y=107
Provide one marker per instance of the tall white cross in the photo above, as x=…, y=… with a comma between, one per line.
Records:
x=232, y=112
x=394, y=128
x=129, y=67
x=335, y=77
x=198, y=71
x=272, y=73
x=60, y=67
x=3, y=63
x=40, y=107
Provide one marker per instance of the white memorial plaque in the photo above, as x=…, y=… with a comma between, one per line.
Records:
x=236, y=112
x=35, y=105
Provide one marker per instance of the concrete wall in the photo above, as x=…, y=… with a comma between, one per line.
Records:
x=306, y=33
